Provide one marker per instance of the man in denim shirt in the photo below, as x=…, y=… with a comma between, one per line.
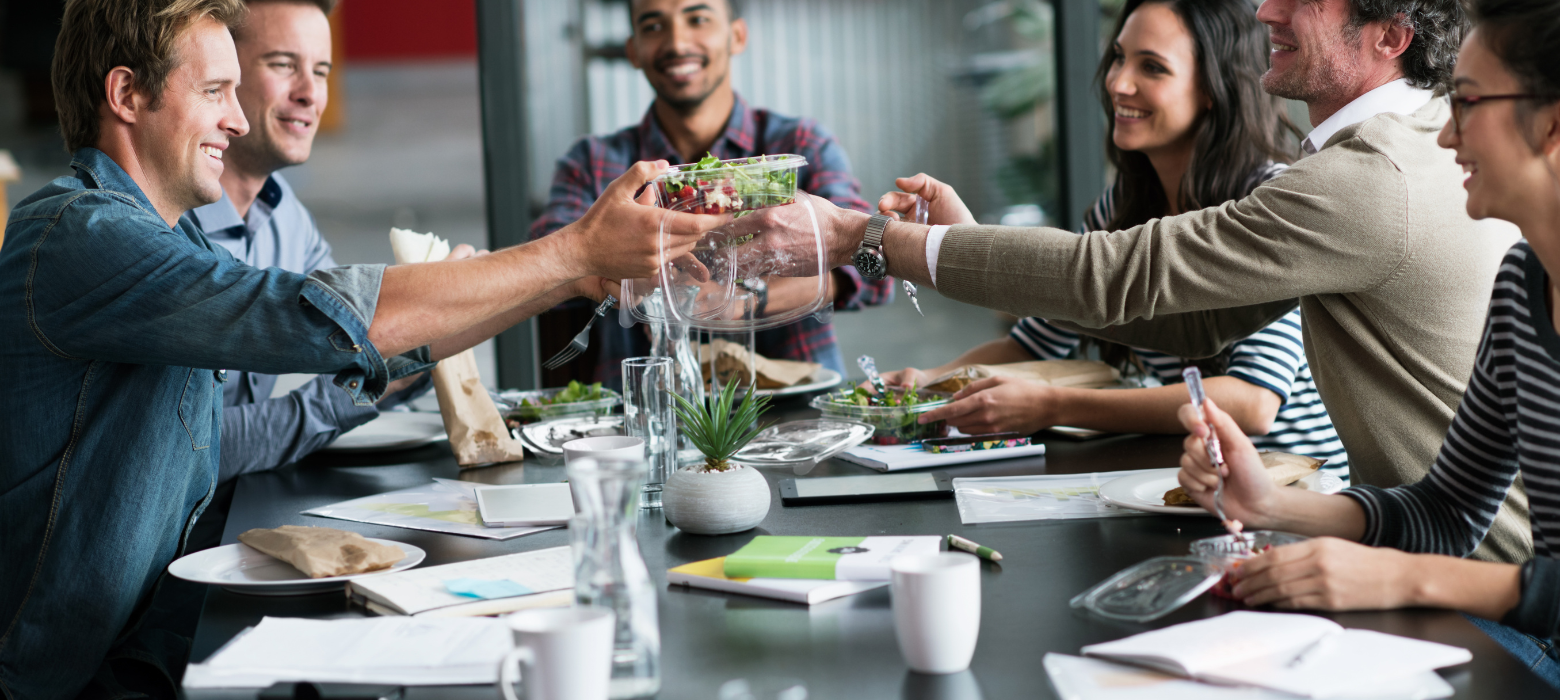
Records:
x=284, y=50
x=118, y=318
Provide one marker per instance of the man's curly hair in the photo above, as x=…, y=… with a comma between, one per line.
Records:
x=1439, y=26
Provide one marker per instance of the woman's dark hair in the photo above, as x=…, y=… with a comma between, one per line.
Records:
x=1243, y=130
x=1525, y=35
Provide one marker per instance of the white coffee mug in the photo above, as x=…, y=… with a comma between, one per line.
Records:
x=936, y=610
x=567, y=654
x=610, y=447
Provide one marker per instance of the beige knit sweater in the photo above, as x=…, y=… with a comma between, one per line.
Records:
x=1369, y=234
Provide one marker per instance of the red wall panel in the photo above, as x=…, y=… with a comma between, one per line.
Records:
x=390, y=30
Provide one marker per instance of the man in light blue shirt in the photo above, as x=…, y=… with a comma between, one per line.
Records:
x=285, y=52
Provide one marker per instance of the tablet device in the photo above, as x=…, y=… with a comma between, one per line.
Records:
x=863, y=489
x=525, y=505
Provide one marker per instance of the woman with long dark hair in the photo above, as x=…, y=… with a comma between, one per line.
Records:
x=1191, y=128
x=1505, y=130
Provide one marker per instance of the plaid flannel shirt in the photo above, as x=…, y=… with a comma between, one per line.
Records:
x=595, y=161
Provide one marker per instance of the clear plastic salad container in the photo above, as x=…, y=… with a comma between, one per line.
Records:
x=1227, y=553
x=722, y=284
x=1149, y=590
x=522, y=407
x=894, y=423
x=714, y=186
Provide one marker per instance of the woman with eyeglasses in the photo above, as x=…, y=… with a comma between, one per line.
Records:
x=1387, y=548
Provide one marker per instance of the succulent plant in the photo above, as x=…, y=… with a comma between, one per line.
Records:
x=716, y=430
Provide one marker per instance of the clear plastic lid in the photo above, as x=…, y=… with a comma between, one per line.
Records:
x=1249, y=544
x=803, y=442
x=722, y=284
x=1151, y=589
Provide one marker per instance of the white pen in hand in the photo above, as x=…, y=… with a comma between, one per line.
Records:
x=1194, y=386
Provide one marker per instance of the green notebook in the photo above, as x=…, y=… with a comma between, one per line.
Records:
x=842, y=558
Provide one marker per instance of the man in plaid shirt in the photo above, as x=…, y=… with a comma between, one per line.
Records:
x=684, y=48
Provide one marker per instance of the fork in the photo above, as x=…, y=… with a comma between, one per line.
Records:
x=1194, y=386
x=581, y=341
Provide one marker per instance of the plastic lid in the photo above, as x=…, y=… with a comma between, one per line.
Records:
x=1151, y=589
x=803, y=442
x=1249, y=545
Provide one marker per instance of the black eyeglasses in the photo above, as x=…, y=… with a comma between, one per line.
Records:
x=1463, y=102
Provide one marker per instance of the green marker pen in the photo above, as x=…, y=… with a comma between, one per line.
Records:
x=987, y=553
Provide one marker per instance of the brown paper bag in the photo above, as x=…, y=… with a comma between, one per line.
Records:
x=320, y=552
x=478, y=435
x=1083, y=374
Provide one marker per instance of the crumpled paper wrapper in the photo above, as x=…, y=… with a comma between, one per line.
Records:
x=1083, y=374
x=730, y=361
x=478, y=435
x=322, y=552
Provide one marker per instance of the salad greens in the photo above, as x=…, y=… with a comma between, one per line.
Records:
x=714, y=186
x=573, y=393
x=893, y=416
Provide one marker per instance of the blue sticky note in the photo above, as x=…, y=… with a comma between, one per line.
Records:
x=485, y=589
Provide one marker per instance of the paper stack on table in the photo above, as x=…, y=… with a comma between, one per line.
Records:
x=491, y=586
x=380, y=651
x=1302, y=655
x=1007, y=499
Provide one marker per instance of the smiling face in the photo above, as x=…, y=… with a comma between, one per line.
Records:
x=1313, y=56
x=685, y=47
x=284, y=49
x=1507, y=173
x=1153, y=82
x=181, y=143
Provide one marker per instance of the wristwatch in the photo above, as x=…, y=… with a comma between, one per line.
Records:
x=760, y=291
x=869, y=260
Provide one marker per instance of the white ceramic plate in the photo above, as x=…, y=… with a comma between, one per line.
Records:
x=824, y=378
x=241, y=568
x=1145, y=490
x=392, y=430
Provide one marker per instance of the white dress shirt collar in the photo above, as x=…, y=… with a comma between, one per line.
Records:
x=1397, y=97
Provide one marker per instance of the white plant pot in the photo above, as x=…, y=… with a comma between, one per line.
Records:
x=715, y=503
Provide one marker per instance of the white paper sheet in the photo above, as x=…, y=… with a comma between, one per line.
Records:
x=420, y=590
x=1040, y=497
x=1078, y=678
x=383, y=650
x=437, y=507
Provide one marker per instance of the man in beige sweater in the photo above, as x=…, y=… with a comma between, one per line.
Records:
x=1368, y=232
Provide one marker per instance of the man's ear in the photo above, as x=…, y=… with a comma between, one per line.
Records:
x=738, y=36
x=1547, y=128
x=122, y=99
x=630, y=50
x=1396, y=35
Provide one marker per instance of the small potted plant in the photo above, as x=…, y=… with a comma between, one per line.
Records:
x=718, y=497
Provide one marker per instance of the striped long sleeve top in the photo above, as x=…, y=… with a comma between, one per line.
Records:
x=1507, y=424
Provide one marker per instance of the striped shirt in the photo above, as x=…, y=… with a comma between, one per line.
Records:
x=1507, y=424
x=1272, y=358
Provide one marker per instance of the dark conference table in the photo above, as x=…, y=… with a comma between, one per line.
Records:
x=843, y=648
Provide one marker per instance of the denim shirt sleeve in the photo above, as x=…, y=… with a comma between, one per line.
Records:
x=110, y=281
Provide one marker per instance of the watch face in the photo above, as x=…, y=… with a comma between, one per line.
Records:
x=870, y=263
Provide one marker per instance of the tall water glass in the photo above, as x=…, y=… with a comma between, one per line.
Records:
x=610, y=572
x=648, y=385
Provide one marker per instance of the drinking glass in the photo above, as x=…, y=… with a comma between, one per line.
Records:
x=648, y=385
x=610, y=571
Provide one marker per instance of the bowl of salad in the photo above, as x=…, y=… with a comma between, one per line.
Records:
x=714, y=186
x=893, y=417
x=522, y=407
